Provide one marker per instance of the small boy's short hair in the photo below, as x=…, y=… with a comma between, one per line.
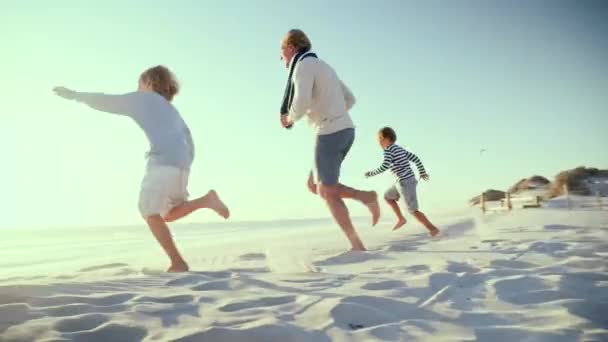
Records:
x=389, y=134
x=162, y=80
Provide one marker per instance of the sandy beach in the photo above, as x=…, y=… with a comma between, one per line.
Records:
x=535, y=275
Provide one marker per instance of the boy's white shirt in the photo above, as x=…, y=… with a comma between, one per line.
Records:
x=322, y=96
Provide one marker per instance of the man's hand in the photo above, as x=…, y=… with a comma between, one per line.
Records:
x=312, y=187
x=65, y=93
x=285, y=121
x=425, y=177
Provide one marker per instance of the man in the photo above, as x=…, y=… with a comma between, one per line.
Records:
x=314, y=89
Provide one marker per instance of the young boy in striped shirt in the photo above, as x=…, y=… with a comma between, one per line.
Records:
x=397, y=159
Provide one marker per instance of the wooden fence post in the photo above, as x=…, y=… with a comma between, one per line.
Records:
x=567, y=196
x=509, y=206
x=483, y=202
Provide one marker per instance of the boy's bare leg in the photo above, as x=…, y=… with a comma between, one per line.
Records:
x=160, y=230
x=340, y=213
x=211, y=201
x=395, y=206
x=425, y=221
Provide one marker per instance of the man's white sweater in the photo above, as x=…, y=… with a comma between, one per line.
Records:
x=322, y=96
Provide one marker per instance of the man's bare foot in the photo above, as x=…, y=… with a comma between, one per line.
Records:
x=358, y=249
x=179, y=267
x=400, y=223
x=214, y=203
x=434, y=232
x=371, y=202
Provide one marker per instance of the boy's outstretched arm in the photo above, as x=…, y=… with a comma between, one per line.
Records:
x=413, y=158
x=116, y=104
x=386, y=164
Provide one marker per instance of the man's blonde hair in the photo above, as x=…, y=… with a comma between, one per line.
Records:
x=298, y=39
x=162, y=81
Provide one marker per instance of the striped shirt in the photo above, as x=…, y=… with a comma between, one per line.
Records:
x=397, y=159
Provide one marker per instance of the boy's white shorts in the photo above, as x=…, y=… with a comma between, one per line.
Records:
x=162, y=189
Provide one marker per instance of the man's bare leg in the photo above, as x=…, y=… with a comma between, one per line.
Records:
x=211, y=201
x=160, y=230
x=340, y=213
x=395, y=206
x=425, y=221
x=368, y=198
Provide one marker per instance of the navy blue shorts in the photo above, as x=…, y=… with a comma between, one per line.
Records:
x=330, y=151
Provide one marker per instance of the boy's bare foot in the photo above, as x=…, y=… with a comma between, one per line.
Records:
x=180, y=267
x=434, y=231
x=371, y=202
x=400, y=223
x=214, y=203
x=358, y=249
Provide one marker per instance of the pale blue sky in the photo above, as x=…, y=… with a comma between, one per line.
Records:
x=526, y=80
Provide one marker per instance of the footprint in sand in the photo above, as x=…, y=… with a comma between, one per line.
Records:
x=253, y=256
x=215, y=274
x=110, y=300
x=304, y=281
x=250, y=270
x=258, y=303
x=524, y=334
x=220, y=285
x=461, y=267
x=102, y=267
x=81, y=323
x=482, y=319
x=391, y=332
x=258, y=333
x=80, y=309
x=416, y=269
x=528, y=290
x=179, y=299
x=372, y=311
x=586, y=263
x=109, y=332
x=512, y=264
x=549, y=248
x=180, y=279
x=188, y=280
x=350, y=257
x=127, y=271
x=384, y=285
x=561, y=227
x=207, y=300
x=494, y=242
x=401, y=248
x=593, y=311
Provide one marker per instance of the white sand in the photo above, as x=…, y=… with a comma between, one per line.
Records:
x=528, y=275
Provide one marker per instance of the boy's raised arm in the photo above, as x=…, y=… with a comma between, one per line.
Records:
x=116, y=104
